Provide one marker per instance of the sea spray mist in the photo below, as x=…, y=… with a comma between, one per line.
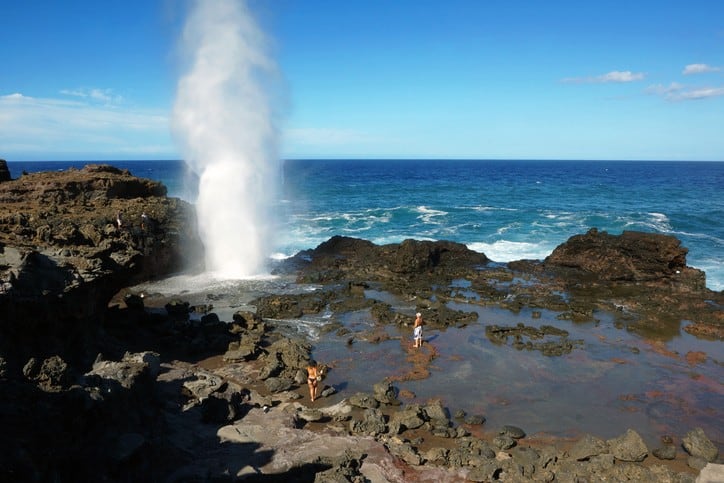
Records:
x=224, y=121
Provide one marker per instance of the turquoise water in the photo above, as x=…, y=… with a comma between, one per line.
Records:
x=508, y=210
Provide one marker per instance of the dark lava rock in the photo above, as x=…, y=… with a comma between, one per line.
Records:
x=512, y=431
x=351, y=258
x=628, y=447
x=63, y=257
x=504, y=441
x=665, y=452
x=474, y=419
x=587, y=447
x=632, y=256
x=4, y=171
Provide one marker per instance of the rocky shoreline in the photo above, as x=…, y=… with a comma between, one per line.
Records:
x=102, y=383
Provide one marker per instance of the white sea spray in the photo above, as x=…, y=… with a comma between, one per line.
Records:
x=225, y=122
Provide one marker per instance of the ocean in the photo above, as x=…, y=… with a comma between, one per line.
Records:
x=509, y=210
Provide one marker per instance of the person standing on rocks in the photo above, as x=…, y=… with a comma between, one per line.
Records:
x=417, y=331
x=314, y=375
x=119, y=220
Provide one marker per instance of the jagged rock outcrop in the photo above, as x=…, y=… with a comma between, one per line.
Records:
x=342, y=258
x=631, y=257
x=644, y=276
x=70, y=240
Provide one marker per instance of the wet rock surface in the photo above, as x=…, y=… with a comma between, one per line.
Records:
x=104, y=388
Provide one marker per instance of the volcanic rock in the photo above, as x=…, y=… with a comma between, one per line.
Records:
x=344, y=258
x=63, y=255
x=697, y=444
x=628, y=447
x=4, y=171
x=631, y=256
x=587, y=447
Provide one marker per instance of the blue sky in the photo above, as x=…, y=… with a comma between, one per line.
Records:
x=93, y=80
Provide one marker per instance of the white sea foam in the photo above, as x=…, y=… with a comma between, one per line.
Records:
x=564, y=216
x=427, y=215
x=661, y=221
x=493, y=208
x=508, y=251
x=658, y=222
x=503, y=229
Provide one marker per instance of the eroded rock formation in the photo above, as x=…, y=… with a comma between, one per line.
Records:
x=70, y=240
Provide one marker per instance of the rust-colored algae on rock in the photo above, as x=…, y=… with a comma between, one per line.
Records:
x=695, y=357
x=420, y=358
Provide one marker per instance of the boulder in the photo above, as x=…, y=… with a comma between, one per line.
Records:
x=628, y=447
x=129, y=372
x=587, y=447
x=385, y=393
x=363, y=400
x=435, y=410
x=503, y=441
x=512, y=431
x=409, y=418
x=665, y=452
x=52, y=375
x=278, y=384
x=204, y=384
x=697, y=444
x=372, y=423
x=474, y=419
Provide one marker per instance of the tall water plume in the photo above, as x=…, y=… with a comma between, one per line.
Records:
x=224, y=122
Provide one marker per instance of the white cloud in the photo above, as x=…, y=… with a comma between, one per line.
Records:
x=31, y=127
x=699, y=69
x=617, y=76
x=702, y=93
x=613, y=76
x=663, y=90
x=106, y=96
x=679, y=92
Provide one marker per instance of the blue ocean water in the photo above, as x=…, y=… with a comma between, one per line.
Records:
x=508, y=210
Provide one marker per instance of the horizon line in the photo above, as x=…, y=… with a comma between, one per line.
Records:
x=376, y=158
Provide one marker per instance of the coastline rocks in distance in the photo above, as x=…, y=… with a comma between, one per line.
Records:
x=4, y=171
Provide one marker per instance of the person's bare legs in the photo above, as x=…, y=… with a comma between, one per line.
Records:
x=312, y=391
